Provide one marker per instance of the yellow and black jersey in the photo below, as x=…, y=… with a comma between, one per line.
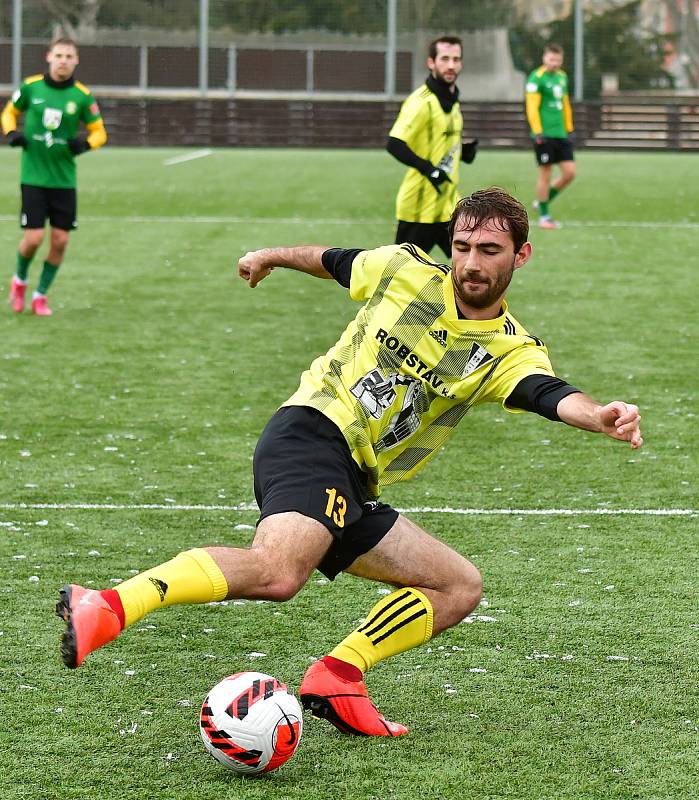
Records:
x=433, y=135
x=407, y=368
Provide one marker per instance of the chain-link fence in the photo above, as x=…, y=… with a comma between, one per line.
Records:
x=374, y=47
x=332, y=72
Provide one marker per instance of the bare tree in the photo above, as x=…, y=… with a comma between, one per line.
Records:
x=76, y=19
x=686, y=24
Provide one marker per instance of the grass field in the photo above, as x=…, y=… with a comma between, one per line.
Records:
x=128, y=422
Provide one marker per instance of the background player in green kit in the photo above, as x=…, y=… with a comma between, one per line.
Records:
x=550, y=120
x=53, y=105
x=426, y=137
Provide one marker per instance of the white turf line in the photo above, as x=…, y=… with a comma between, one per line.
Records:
x=513, y=512
x=220, y=220
x=169, y=162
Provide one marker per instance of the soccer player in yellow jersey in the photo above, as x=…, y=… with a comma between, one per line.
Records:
x=426, y=137
x=428, y=344
x=550, y=118
x=53, y=105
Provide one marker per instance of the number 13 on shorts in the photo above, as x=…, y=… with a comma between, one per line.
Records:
x=336, y=507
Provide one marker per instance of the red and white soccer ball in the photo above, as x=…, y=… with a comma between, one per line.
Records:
x=250, y=723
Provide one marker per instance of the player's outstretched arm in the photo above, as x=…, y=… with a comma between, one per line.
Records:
x=257, y=264
x=617, y=419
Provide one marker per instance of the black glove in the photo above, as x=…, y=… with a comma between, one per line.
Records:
x=468, y=151
x=437, y=177
x=78, y=145
x=16, y=139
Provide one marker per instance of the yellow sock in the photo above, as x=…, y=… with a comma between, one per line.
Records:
x=190, y=577
x=399, y=622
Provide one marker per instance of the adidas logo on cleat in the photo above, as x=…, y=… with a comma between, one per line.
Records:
x=439, y=336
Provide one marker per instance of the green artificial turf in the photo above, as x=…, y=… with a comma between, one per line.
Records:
x=577, y=677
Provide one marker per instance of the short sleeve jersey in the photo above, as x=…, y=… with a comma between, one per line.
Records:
x=552, y=87
x=434, y=135
x=407, y=369
x=52, y=116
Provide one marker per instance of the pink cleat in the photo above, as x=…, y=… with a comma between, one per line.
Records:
x=40, y=306
x=18, y=289
x=90, y=623
x=549, y=224
x=344, y=703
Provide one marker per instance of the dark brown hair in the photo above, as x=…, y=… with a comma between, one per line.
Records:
x=552, y=47
x=64, y=40
x=432, y=49
x=493, y=204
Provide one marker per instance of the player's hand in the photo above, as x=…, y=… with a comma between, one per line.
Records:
x=437, y=177
x=539, y=139
x=468, y=151
x=254, y=267
x=78, y=145
x=621, y=421
x=16, y=139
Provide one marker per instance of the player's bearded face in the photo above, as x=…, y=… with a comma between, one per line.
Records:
x=479, y=290
x=447, y=64
x=483, y=261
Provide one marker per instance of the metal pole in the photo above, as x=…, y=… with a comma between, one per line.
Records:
x=232, y=81
x=17, y=43
x=203, y=47
x=390, y=82
x=579, y=35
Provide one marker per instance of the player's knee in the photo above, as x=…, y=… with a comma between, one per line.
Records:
x=33, y=238
x=466, y=593
x=280, y=588
x=59, y=240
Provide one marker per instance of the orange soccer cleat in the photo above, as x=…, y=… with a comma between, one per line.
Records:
x=40, y=306
x=344, y=703
x=90, y=623
x=549, y=224
x=18, y=289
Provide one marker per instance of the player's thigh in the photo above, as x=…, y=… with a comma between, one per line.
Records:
x=35, y=207
x=421, y=234
x=409, y=556
x=63, y=209
x=293, y=542
x=443, y=239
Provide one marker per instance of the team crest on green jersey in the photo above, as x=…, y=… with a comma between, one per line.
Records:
x=51, y=118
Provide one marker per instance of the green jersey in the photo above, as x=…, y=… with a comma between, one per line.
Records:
x=548, y=106
x=435, y=136
x=52, y=115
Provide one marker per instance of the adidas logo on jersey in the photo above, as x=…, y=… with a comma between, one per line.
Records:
x=439, y=336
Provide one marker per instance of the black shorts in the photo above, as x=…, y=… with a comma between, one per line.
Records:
x=425, y=235
x=302, y=463
x=60, y=206
x=553, y=151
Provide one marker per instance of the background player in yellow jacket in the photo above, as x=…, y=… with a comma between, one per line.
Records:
x=429, y=343
x=550, y=120
x=53, y=105
x=426, y=137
